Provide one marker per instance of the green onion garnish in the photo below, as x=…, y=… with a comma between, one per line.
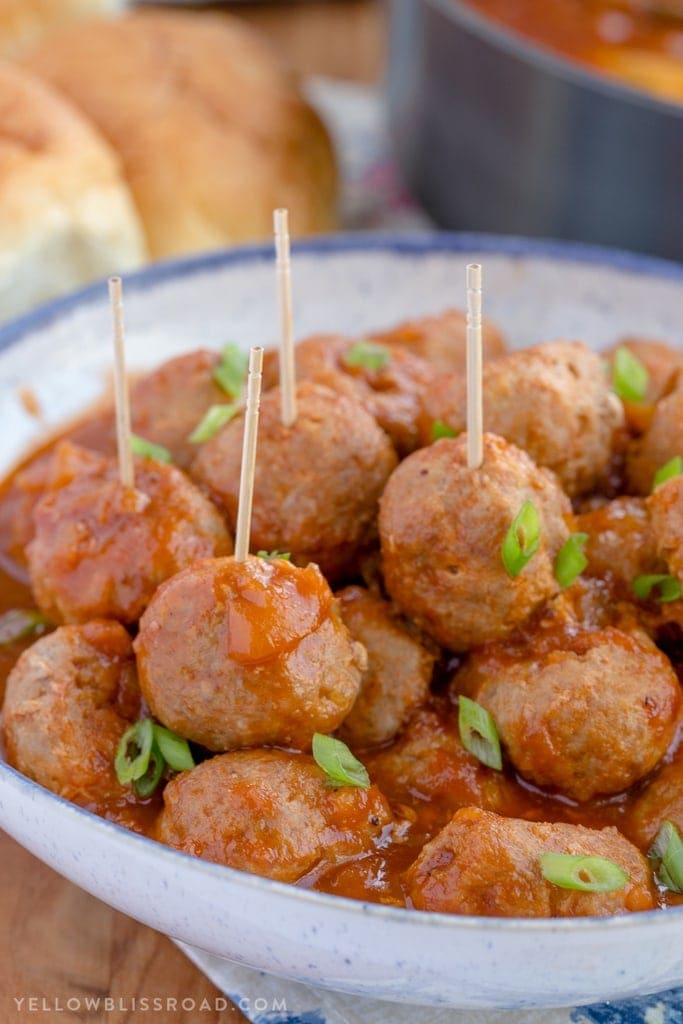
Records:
x=630, y=377
x=212, y=421
x=522, y=539
x=144, y=752
x=585, y=874
x=232, y=370
x=478, y=733
x=338, y=763
x=20, y=624
x=148, y=450
x=668, y=587
x=368, y=355
x=670, y=470
x=441, y=429
x=286, y=556
x=571, y=560
x=666, y=857
x=134, y=751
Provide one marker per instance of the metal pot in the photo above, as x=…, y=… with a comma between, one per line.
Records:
x=494, y=133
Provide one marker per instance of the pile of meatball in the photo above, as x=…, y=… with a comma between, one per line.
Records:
x=393, y=604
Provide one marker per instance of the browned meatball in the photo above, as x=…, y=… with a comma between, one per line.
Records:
x=317, y=484
x=666, y=511
x=663, y=364
x=661, y=800
x=585, y=713
x=442, y=340
x=552, y=400
x=246, y=654
x=483, y=864
x=399, y=670
x=428, y=766
x=100, y=551
x=390, y=393
x=621, y=543
x=442, y=527
x=662, y=440
x=270, y=813
x=69, y=699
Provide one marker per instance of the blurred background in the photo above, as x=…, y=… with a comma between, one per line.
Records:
x=132, y=132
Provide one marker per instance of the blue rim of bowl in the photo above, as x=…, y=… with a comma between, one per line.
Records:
x=402, y=244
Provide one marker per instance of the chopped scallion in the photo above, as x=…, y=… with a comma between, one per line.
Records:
x=478, y=733
x=20, y=624
x=584, y=874
x=368, y=355
x=286, y=556
x=173, y=748
x=231, y=372
x=571, y=560
x=338, y=763
x=668, y=588
x=148, y=450
x=630, y=377
x=441, y=429
x=134, y=751
x=212, y=421
x=668, y=471
x=666, y=857
x=522, y=539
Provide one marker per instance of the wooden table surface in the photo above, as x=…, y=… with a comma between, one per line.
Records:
x=58, y=946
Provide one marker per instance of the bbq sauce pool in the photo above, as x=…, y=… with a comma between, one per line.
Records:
x=376, y=877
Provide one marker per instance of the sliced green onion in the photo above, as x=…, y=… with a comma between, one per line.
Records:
x=668, y=587
x=173, y=748
x=20, y=624
x=666, y=857
x=668, y=471
x=147, y=783
x=441, y=429
x=232, y=370
x=286, y=556
x=134, y=751
x=522, y=539
x=478, y=733
x=338, y=763
x=630, y=377
x=148, y=450
x=368, y=355
x=571, y=560
x=584, y=874
x=212, y=421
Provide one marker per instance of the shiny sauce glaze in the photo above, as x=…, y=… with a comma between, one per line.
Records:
x=421, y=810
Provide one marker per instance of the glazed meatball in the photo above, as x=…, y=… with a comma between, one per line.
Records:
x=666, y=510
x=621, y=543
x=100, y=550
x=585, y=713
x=483, y=864
x=553, y=400
x=442, y=527
x=399, y=670
x=245, y=654
x=660, y=443
x=428, y=766
x=442, y=340
x=317, y=483
x=69, y=699
x=270, y=813
x=390, y=392
x=661, y=800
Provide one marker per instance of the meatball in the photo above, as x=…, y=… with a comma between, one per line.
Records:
x=666, y=510
x=399, y=670
x=442, y=526
x=483, y=864
x=552, y=400
x=661, y=800
x=245, y=654
x=270, y=813
x=660, y=443
x=101, y=550
x=69, y=699
x=317, y=482
x=442, y=340
x=391, y=392
x=621, y=544
x=428, y=766
x=585, y=713
x=663, y=364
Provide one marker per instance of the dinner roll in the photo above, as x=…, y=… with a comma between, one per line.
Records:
x=66, y=216
x=212, y=130
x=23, y=22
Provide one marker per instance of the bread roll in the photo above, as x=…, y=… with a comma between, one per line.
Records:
x=23, y=22
x=212, y=130
x=66, y=215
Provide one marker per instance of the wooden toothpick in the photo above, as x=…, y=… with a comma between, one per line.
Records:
x=123, y=429
x=475, y=415
x=284, y=287
x=251, y=417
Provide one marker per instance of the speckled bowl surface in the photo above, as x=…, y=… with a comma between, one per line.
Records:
x=537, y=291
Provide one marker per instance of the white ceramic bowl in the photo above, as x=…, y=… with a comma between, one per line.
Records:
x=537, y=291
